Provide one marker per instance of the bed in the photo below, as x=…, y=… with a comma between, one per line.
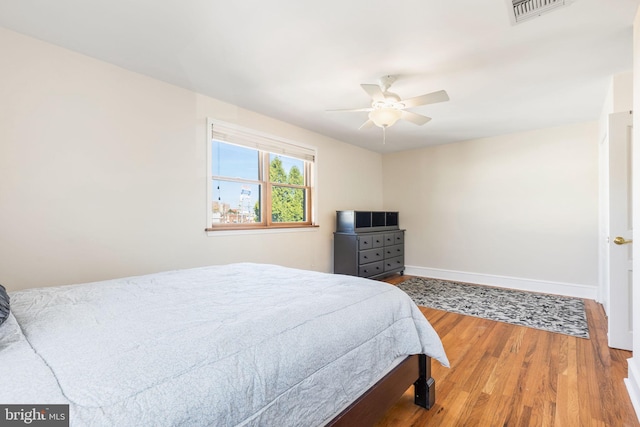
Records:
x=233, y=345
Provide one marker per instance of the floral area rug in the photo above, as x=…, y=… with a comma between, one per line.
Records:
x=553, y=313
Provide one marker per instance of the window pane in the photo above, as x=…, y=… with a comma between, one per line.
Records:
x=233, y=161
x=287, y=204
x=286, y=170
x=235, y=203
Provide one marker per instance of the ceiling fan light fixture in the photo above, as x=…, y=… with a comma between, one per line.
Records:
x=385, y=116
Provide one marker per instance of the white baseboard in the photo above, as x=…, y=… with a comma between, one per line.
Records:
x=633, y=383
x=532, y=285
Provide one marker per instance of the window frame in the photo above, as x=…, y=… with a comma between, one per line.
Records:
x=266, y=145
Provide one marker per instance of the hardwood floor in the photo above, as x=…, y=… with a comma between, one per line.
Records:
x=507, y=375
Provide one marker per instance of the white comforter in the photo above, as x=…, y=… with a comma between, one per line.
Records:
x=240, y=344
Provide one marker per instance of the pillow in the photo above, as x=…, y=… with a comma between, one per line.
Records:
x=4, y=304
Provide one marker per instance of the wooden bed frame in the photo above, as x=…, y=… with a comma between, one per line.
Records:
x=372, y=405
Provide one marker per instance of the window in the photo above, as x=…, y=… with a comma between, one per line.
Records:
x=257, y=181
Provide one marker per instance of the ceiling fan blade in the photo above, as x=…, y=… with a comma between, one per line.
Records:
x=351, y=110
x=417, y=119
x=430, y=98
x=374, y=92
x=366, y=125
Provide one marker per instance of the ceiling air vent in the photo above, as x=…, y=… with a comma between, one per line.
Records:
x=521, y=10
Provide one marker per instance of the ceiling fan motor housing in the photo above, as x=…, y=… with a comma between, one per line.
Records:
x=390, y=99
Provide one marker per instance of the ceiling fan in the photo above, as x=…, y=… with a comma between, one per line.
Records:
x=387, y=107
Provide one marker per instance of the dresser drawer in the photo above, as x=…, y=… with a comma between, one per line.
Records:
x=370, y=255
x=377, y=240
x=370, y=241
x=371, y=269
x=393, y=263
x=395, y=238
x=365, y=242
x=393, y=251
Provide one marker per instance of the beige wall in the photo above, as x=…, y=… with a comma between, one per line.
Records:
x=522, y=206
x=104, y=174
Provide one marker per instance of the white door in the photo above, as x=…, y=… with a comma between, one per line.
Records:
x=620, y=231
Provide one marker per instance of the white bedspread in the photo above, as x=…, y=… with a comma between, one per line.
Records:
x=240, y=344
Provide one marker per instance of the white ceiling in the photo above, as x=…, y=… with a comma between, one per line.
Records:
x=294, y=59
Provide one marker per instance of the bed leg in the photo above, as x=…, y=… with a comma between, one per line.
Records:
x=425, y=386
